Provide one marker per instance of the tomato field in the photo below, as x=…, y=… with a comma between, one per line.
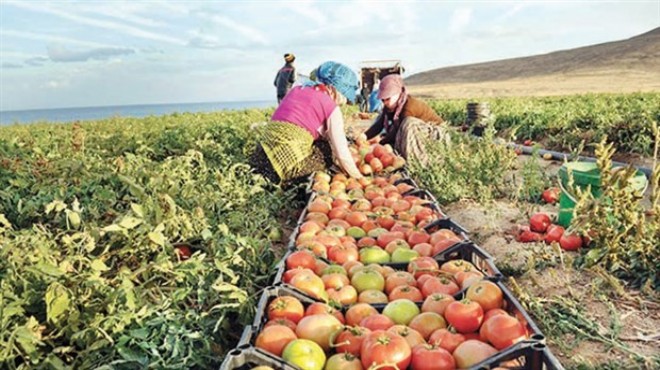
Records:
x=135, y=243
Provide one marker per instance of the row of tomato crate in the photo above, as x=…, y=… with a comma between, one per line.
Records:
x=530, y=353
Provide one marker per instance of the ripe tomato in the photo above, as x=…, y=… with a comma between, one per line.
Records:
x=359, y=311
x=183, y=252
x=377, y=322
x=553, y=234
x=349, y=339
x=550, y=195
x=381, y=347
x=274, y=338
x=426, y=323
x=570, y=242
x=412, y=336
x=301, y=258
x=539, y=222
x=466, y=316
x=439, y=285
x=503, y=331
x=448, y=339
x=423, y=266
x=284, y=322
x=486, y=293
x=528, y=236
x=397, y=279
x=406, y=292
x=324, y=308
x=430, y=357
x=437, y=302
x=285, y=307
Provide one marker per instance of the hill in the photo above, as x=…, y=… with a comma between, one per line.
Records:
x=618, y=66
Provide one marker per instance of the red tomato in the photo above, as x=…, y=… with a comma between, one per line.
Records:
x=430, y=357
x=550, y=195
x=286, y=308
x=553, y=234
x=439, y=285
x=284, y=322
x=437, y=302
x=274, y=338
x=412, y=336
x=324, y=308
x=397, y=279
x=539, y=222
x=528, y=236
x=406, y=292
x=423, y=266
x=377, y=322
x=349, y=339
x=357, y=312
x=503, y=331
x=466, y=316
x=447, y=339
x=418, y=236
x=381, y=347
x=570, y=242
x=183, y=252
x=426, y=323
x=486, y=293
x=302, y=259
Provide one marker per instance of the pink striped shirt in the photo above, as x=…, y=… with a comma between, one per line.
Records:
x=306, y=107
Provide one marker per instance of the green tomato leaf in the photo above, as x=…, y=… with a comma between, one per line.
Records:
x=157, y=237
x=57, y=302
x=98, y=265
x=129, y=222
x=137, y=209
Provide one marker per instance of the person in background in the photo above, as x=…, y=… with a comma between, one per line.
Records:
x=307, y=128
x=405, y=120
x=363, y=98
x=285, y=77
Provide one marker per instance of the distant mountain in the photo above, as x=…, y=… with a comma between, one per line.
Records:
x=639, y=55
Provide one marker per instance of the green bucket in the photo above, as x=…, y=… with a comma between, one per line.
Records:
x=585, y=175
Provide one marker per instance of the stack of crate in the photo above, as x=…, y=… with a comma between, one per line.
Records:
x=530, y=353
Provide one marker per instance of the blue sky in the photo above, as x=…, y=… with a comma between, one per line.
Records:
x=94, y=53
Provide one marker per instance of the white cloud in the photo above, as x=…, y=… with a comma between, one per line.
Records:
x=72, y=16
x=50, y=38
x=250, y=33
x=460, y=20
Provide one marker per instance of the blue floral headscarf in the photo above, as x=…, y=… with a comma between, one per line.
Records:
x=339, y=76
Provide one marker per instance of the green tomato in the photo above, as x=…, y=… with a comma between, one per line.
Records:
x=305, y=354
x=374, y=255
x=401, y=311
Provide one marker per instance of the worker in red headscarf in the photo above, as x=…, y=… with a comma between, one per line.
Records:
x=405, y=120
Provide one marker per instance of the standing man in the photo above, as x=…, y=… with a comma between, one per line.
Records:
x=285, y=77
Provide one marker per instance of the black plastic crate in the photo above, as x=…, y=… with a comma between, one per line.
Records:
x=472, y=253
x=246, y=358
x=447, y=223
x=270, y=293
x=524, y=356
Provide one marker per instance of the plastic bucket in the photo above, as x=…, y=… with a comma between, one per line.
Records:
x=586, y=175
